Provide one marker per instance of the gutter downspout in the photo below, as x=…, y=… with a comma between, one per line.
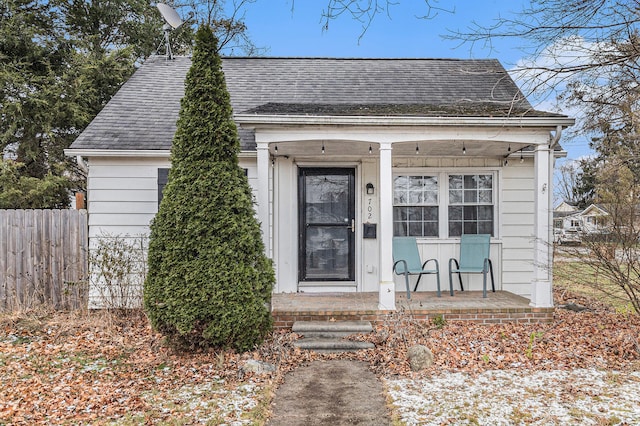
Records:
x=81, y=197
x=81, y=164
x=555, y=138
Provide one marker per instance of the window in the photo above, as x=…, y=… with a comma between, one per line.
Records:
x=163, y=175
x=470, y=204
x=444, y=204
x=415, y=206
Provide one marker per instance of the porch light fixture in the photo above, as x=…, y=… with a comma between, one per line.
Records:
x=417, y=149
x=464, y=149
x=370, y=150
x=506, y=162
x=509, y=149
x=322, y=149
x=275, y=149
x=370, y=189
x=521, y=157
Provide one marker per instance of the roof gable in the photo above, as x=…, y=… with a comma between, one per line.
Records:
x=594, y=210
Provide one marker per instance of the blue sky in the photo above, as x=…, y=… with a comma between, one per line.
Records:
x=272, y=24
x=282, y=31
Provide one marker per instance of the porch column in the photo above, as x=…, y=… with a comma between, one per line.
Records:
x=262, y=197
x=387, y=296
x=541, y=286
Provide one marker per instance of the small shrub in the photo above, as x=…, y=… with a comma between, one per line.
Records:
x=439, y=321
x=532, y=338
x=117, y=267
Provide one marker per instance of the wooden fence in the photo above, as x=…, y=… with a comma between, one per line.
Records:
x=43, y=259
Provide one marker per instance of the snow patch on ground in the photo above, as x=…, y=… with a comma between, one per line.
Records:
x=507, y=397
x=211, y=403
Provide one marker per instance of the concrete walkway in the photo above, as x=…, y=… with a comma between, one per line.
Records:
x=337, y=392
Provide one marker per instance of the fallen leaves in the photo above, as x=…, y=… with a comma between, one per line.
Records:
x=87, y=370
x=58, y=368
x=594, y=338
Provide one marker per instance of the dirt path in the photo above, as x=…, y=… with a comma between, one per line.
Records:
x=337, y=392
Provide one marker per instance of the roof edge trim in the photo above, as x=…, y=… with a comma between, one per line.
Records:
x=255, y=119
x=88, y=152
x=157, y=153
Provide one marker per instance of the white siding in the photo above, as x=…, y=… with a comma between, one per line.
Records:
x=512, y=246
x=369, y=265
x=285, y=225
x=122, y=201
x=517, y=226
x=123, y=193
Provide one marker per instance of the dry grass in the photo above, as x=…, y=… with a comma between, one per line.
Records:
x=584, y=280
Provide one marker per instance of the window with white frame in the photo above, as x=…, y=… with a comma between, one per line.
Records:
x=451, y=204
x=415, y=206
x=470, y=204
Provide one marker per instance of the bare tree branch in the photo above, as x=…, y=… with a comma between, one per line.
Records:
x=229, y=28
x=567, y=40
x=366, y=11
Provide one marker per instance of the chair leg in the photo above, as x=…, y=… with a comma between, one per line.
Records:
x=487, y=262
x=405, y=272
x=493, y=286
x=451, y=275
x=406, y=282
x=484, y=283
x=417, y=282
x=450, y=279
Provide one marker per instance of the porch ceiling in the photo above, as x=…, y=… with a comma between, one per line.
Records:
x=448, y=148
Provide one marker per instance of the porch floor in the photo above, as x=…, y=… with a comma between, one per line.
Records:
x=498, y=307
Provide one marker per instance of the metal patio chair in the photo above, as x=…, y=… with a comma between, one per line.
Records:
x=474, y=259
x=406, y=261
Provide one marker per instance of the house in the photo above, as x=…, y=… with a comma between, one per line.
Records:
x=571, y=224
x=343, y=154
x=594, y=219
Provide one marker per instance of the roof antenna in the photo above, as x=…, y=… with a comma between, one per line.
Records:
x=173, y=22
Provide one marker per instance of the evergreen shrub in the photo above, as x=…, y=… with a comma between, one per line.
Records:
x=209, y=282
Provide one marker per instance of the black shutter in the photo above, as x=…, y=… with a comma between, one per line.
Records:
x=163, y=175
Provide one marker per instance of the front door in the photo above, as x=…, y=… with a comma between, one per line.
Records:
x=327, y=229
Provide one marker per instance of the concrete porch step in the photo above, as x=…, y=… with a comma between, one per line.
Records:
x=331, y=328
x=332, y=345
x=328, y=336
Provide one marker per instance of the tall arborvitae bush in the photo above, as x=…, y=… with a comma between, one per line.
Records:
x=209, y=282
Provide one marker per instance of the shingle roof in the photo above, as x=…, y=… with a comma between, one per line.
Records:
x=142, y=115
x=463, y=108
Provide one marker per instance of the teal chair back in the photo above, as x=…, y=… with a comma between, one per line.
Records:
x=474, y=249
x=406, y=248
x=406, y=261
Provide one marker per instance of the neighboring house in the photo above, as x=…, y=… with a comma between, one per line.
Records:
x=343, y=154
x=591, y=220
x=594, y=219
x=565, y=207
x=571, y=226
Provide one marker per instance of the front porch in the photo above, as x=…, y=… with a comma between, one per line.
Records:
x=304, y=217
x=498, y=307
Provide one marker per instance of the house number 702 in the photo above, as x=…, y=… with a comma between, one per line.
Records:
x=370, y=209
